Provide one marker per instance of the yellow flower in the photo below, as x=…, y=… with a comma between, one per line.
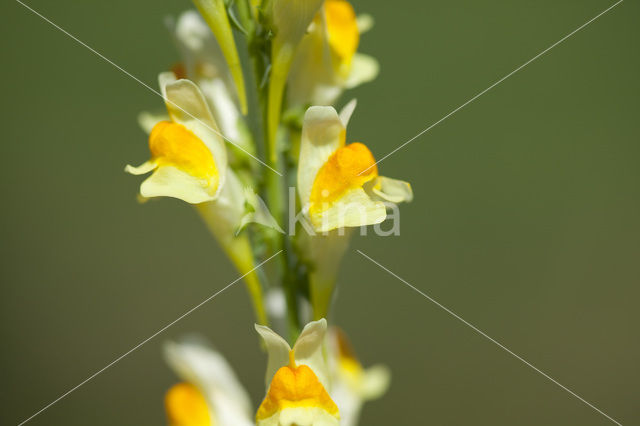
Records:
x=297, y=380
x=210, y=394
x=353, y=385
x=338, y=183
x=339, y=187
x=189, y=162
x=327, y=61
x=188, y=157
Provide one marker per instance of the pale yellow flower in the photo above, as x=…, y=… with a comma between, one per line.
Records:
x=327, y=61
x=297, y=380
x=188, y=157
x=189, y=162
x=338, y=183
x=339, y=189
x=210, y=394
x=352, y=384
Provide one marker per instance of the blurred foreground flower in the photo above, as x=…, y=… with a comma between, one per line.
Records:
x=210, y=393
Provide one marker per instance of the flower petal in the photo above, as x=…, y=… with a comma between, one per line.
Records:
x=169, y=181
x=308, y=349
x=147, y=120
x=354, y=208
x=142, y=169
x=204, y=367
x=396, y=191
x=375, y=382
x=347, y=111
x=365, y=22
x=323, y=132
x=277, y=351
x=364, y=68
x=187, y=106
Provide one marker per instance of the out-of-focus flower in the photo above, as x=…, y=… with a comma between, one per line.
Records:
x=339, y=187
x=327, y=61
x=210, y=393
x=290, y=20
x=215, y=14
x=297, y=380
x=353, y=385
x=189, y=162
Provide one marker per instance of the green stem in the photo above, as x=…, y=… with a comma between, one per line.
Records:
x=274, y=185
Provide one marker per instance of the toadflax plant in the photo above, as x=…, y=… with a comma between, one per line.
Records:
x=231, y=146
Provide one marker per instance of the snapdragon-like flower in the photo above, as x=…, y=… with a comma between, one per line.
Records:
x=210, y=393
x=327, y=61
x=188, y=157
x=338, y=183
x=297, y=380
x=189, y=162
x=339, y=189
x=352, y=384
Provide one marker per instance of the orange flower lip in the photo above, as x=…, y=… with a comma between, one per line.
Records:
x=172, y=144
x=295, y=387
x=349, y=167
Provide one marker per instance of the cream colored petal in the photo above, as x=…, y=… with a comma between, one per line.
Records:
x=194, y=361
x=168, y=181
x=187, y=106
x=347, y=112
x=365, y=22
x=308, y=349
x=355, y=208
x=165, y=78
x=142, y=169
x=396, y=191
x=375, y=382
x=147, y=120
x=322, y=135
x=224, y=108
x=291, y=18
x=364, y=68
x=300, y=416
x=277, y=351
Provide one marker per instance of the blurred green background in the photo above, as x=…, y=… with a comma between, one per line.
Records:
x=525, y=222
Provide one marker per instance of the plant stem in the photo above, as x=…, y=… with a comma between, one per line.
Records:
x=274, y=184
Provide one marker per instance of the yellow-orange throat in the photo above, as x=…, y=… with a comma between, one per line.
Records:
x=295, y=387
x=172, y=144
x=349, y=167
